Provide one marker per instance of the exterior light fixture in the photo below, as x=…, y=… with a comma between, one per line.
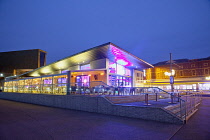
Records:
x=172, y=73
x=208, y=78
x=101, y=73
x=1, y=75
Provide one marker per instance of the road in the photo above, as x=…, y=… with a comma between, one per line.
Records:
x=21, y=121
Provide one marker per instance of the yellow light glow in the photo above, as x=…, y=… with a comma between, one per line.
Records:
x=89, y=75
x=61, y=65
x=101, y=73
x=169, y=74
x=208, y=78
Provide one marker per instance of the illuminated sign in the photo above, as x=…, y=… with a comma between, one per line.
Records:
x=120, y=58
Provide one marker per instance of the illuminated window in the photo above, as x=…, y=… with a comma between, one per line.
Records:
x=120, y=69
x=85, y=67
x=112, y=67
x=62, y=80
x=127, y=72
x=47, y=81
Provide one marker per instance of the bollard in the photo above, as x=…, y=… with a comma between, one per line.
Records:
x=146, y=100
x=156, y=97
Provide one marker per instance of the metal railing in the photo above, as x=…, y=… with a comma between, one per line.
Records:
x=182, y=103
x=185, y=104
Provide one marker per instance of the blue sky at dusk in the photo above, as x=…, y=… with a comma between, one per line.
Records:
x=149, y=29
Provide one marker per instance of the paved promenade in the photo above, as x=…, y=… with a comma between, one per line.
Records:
x=20, y=121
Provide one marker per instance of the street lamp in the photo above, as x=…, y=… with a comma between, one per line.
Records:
x=1, y=75
x=171, y=75
x=208, y=78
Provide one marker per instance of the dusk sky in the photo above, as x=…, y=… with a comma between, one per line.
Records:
x=149, y=29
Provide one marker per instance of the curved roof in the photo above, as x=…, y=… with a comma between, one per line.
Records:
x=107, y=50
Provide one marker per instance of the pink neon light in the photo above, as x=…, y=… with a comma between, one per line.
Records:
x=120, y=57
x=122, y=62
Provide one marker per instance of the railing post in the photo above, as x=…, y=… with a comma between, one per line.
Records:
x=68, y=85
x=146, y=99
x=178, y=97
x=172, y=98
x=156, y=96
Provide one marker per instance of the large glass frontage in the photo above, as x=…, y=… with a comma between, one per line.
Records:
x=57, y=84
x=119, y=75
x=48, y=85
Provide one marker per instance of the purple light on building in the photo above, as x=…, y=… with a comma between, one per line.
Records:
x=120, y=57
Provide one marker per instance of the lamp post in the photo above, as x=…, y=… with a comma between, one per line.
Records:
x=172, y=74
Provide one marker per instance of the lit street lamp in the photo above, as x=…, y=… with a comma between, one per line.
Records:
x=171, y=73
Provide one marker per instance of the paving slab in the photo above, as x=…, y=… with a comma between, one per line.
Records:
x=20, y=121
x=198, y=126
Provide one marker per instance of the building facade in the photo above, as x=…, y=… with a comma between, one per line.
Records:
x=104, y=65
x=191, y=74
x=18, y=62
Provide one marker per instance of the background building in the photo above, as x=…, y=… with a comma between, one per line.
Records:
x=17, y=62
x=189, y=74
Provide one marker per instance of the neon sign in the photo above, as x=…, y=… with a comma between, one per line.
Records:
x=120, y=57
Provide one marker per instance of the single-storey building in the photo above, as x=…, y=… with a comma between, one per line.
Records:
x=104, y=65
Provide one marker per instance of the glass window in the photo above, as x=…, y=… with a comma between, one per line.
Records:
x=127, y=72
x=112, y=67
x=120, y=69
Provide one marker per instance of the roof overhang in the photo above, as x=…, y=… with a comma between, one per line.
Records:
x=108, y=50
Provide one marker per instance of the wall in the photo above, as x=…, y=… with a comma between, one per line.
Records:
x=93, y=104
x=98, y=64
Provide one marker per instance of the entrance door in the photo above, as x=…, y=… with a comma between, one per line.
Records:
x=83, y=80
